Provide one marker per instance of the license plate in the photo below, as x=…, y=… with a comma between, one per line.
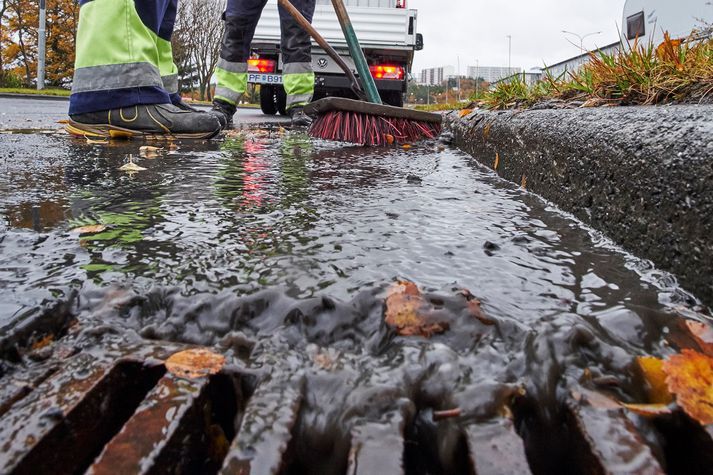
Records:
x=265, y=78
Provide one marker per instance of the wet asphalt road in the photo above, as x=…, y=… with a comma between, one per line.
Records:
x=41, y=113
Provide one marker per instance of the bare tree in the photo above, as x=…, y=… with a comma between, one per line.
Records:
x=197, y=38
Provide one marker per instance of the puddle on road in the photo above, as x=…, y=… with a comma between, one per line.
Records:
x=290, y=244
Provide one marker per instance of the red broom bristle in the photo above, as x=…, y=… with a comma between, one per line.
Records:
x=364, y=129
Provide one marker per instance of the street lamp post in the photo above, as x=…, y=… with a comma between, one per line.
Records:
x=509, y=37
x=41, y=46
x=581, y=37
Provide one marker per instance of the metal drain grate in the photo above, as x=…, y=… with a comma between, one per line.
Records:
x=126, y=414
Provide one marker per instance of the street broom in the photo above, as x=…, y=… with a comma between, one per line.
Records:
x=366, y=121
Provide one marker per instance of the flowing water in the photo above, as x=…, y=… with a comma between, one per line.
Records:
x=292, y=244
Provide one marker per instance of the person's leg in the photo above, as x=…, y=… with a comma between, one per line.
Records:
x=297, y=73
x=241, y=18
x=118, y=82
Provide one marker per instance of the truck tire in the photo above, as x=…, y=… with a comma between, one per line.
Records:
x=267, y=100
x=393, y=98
x=281, y=100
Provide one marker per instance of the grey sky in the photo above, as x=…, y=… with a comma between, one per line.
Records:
x=477, y=29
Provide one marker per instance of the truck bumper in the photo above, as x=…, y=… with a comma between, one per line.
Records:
x=341, y=82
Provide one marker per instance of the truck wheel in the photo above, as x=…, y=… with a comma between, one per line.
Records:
x=393, y=98
x=267, y=100
x=281, y=100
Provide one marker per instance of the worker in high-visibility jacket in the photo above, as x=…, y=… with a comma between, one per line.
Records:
x=125, y=81
x=241, y=18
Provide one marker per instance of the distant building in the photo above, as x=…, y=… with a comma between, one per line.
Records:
x=573, y=64
x=530, y=77
x=436, y=76
x=491, y=74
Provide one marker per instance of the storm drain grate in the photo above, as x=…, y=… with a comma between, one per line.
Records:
x=129, y=415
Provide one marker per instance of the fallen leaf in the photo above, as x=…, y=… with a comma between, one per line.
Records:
x=389, y=138
x=406, y=311
x=690, y=378
x=475, y=310
x=703, y=334
x=406, y=146
x=523, y=182
x=648, y=410
x=195, y=363
x=46, y=341
x=131, y=167
x=148, y=148
x=91, y=229
x=596, y=400
x=652, y=369
x=497, y=161
x=464, y=112
x=447, y=414
x=97, y=142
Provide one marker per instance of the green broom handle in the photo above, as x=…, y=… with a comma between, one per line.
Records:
x=372, y=93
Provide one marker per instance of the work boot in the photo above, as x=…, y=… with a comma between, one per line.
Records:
x=144, y=121
x=224, y=112
x=184, y=106
x=299, y=118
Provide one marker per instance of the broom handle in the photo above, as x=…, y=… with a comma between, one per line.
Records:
x=307, y=26
x=356, y=52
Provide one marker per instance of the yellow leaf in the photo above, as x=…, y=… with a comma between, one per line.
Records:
x=407, y=310
x=690, y=378
x=652, y=369
x=91, y=229
x=703, y=334
x=389, y=138
x=648, y=410
x=497, y=161
x=406, y=146
x=195, y=363
x=464, y=112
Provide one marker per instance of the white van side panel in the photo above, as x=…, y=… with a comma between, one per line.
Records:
x=374, y=26
x=678, y=17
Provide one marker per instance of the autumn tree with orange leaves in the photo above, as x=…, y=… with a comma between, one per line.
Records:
x=18, y=39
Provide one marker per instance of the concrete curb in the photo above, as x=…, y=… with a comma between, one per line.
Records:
x=642, y=175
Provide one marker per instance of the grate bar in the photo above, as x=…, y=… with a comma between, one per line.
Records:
x=378, y=447
x=158, y=426
x=496, y=449
x=266, y=429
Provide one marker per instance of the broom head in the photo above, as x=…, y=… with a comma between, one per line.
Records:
x=364, y=123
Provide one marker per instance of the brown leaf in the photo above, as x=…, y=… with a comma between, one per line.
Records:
x=464, y=112
x=406, y=146
x=703, y=334
x=690, y=378
x=475, y=309
x=648, y=410
x=652, y=369
x=46, y=341
x=91, y=229
x=195, y=363
x=407, y=310
x=497, y=161
x=389, y=138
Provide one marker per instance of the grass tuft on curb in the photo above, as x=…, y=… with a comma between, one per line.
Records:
x=675, y=71
x=43, y=92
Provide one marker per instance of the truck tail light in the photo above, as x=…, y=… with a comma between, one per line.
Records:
x=400, y=3
x=262, y=65
x=384, y=71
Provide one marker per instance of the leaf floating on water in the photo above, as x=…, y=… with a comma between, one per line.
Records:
x=406, y=146
x=195, y=363
x=407, y=310
x=90, y=229
x=703, y=334
x=648, y=410
x=652, y=369
x=131, y=166
x=690, y=378
x=475, y=309
x=148, y=148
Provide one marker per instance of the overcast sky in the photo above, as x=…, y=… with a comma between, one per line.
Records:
x=477, y=29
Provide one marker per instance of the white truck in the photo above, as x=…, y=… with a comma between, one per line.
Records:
x=386, y=31
x=647, y=20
